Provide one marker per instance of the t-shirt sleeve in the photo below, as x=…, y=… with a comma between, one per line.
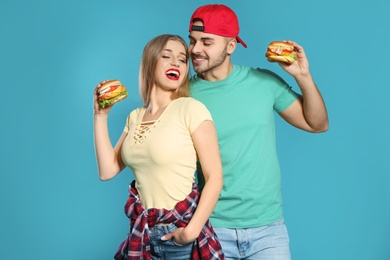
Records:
x=126, y=129
x=284, y=95
x=131, y=118
x=195, y=114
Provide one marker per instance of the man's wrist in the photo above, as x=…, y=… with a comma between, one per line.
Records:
x=304, y=80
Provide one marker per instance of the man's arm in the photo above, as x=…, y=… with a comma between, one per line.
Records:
x=308, y=112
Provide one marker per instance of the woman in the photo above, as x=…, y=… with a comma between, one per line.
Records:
x=161, y=143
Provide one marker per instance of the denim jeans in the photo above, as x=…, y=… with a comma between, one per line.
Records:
x=167, y=249
x=270, y=242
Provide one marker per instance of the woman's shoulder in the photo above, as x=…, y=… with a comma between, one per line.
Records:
x=189, y=102
x=134, y=114
x=192, y=107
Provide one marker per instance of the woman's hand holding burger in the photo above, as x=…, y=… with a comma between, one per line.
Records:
x=107, y=93
x=99, y=111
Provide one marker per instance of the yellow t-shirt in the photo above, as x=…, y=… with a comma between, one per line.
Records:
x=162, y=155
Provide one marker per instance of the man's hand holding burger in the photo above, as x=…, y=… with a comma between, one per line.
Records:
x=290, y=56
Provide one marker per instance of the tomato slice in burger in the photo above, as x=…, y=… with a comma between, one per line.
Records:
x=113, y=88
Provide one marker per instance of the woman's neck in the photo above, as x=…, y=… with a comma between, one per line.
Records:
x=158, y=103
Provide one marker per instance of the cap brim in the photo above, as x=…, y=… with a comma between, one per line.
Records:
x=241, y=41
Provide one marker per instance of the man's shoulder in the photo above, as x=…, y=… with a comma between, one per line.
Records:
x=264, y=74
x=256, y=71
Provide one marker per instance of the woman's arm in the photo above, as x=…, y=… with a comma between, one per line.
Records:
x=206, y=145
x=108, y=158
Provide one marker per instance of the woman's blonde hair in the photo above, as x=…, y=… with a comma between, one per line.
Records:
x=150, y=56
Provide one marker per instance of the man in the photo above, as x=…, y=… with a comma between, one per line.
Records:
x=248, y=218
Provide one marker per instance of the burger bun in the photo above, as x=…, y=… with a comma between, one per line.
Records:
x=111, y=92
x=279, y=51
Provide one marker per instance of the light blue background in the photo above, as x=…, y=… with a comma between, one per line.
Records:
x=53, y=53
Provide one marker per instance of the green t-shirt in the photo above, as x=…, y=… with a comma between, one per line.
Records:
x=242, y=107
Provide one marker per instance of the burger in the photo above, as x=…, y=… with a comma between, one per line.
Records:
x=111, y=92
x=279, y=51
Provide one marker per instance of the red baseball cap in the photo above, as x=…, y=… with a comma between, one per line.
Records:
x=217, y=19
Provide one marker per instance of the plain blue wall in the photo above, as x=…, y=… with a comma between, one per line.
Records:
x=53, y=53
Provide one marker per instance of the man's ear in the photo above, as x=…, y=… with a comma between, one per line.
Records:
x=232, y=44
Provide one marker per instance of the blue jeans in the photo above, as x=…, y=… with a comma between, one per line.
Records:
x=270, y=242
x=167, y=249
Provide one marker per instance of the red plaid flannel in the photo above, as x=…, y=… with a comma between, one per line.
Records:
x=137, y=244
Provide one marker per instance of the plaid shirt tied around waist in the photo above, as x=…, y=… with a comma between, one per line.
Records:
x=137, y=243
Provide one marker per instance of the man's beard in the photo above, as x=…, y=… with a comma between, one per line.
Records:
x=214, y=64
